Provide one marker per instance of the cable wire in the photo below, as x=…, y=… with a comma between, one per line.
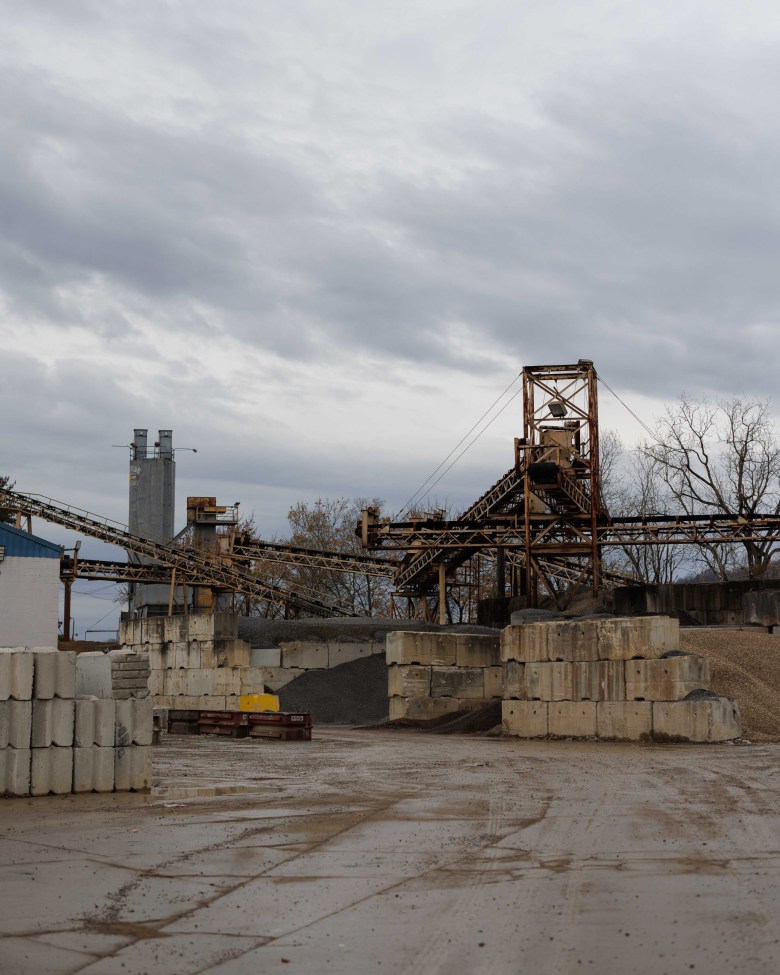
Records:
x=468, y=433
x=470, y=445
x=638, y=419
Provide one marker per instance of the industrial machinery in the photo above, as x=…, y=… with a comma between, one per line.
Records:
x=545, y=518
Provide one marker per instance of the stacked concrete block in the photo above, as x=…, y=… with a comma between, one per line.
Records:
x=195, y=662
x=76, y=724
x=16, y=689
x=621, y=678
x=129, y=674
x=432, y=674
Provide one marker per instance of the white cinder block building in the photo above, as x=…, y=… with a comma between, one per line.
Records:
x=29, y=589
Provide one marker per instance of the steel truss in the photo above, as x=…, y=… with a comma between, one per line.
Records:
x=191, y=566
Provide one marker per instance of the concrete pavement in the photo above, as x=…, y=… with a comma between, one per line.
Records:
x=398, y=852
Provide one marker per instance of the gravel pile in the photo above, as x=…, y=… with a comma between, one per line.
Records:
x=352, y=693
x=746, y=667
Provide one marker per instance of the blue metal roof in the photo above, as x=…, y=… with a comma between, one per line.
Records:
x=19, y=544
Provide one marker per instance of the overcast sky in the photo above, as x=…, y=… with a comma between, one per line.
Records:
x=317, y=240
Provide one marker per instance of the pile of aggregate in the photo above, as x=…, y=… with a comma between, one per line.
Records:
x=264, y=633
x=745, y=666
x=353, y=693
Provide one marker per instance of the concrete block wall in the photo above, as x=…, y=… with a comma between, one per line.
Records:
x=56, y=737
x=621, y=678
x=197, y=662
x=433, y=674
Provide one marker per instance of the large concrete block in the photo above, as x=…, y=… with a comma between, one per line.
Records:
x=305, y=656
x=54, y=673
x=429, y=649
x=472, y=650
x=514, y=680
x=575, y=640
x=15, y=766
x=225, y=652
x=174, y=683
x=129, y=632
x=585, y=681
x=171, y=629
x=549, y=681
x=94, y=723
x=133, y=724
x=93, y=769
x=200, y=626
x=494, y=681
x=265, y=657
x=157, y=683
x=612, y=680
x=422, y=708
x=252, y=680
x=707, y=719
x=187, y=655
x=408, y=680
x=637, y=636
x=133, y=768
x=461, y=682
x=573, y=719
x=51, y=770
x=525, y=719
x=186, y=703
x=52, y=722
x=16, y=674
x=227, y=681
x=276, y=677
x=15, y=724
x=340, y=652
x=625, y=720
x=666, y=679
x=762, y=608
x=198, y=683
x=93, y=675
x=526, y=642
x=160, y=657
x=153, y=629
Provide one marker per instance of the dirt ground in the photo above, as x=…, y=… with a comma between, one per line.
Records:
x=398, y=852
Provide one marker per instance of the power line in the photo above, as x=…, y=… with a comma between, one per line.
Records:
x=470, y=445
x=468, y=433
x=638, y=419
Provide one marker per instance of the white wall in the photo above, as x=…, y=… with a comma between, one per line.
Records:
x=29, y=592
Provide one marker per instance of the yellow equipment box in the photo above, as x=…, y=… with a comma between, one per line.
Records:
x=258, y=702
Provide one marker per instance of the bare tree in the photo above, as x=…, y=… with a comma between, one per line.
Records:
x=329, y=524
x=722, y=458
x=633, y=486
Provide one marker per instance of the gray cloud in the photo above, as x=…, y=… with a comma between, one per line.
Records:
x=431, y=199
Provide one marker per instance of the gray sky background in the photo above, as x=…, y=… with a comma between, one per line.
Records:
x=317, y=240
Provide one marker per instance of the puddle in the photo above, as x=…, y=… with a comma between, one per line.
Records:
x=202, y=791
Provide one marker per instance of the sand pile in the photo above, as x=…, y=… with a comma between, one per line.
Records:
x=746, y=667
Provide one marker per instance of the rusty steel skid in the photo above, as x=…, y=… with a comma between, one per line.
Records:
x=190, y=564
x=283, y=725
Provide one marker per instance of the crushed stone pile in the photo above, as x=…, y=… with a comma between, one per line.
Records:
x=264, y=633
x=352, y=693
x=746, y=667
